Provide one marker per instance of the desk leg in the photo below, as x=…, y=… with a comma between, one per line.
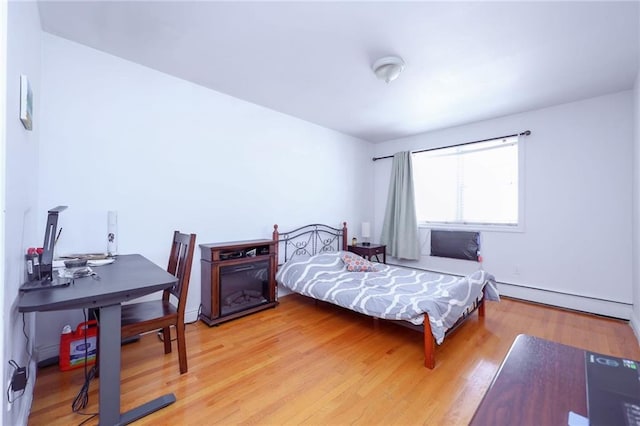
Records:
x=110, y=374
x=109, y=365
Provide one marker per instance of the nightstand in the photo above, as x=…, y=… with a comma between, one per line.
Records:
x=370, y=251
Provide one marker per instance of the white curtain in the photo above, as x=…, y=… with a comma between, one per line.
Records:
x=400, y=227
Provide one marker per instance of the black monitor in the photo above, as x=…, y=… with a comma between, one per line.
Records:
x=46, y=263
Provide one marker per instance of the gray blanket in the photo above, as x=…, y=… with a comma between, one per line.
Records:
x=390, y=292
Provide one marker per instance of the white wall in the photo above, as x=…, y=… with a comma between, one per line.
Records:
x=20, y=174
x=576, y=245
x=3, y=130
x=168, y=154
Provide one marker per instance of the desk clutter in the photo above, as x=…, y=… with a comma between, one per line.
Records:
x=64, y=269
x=88, y=256
x=78, y=272
x=33, y=259
x=79, y=266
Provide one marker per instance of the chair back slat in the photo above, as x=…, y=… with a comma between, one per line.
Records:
x=180, y=261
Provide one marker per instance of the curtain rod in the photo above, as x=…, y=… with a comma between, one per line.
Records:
x=525, y=133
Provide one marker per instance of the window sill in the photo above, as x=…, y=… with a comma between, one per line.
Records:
x=471, y=227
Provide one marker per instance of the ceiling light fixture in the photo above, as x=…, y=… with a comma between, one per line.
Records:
x=388, y=68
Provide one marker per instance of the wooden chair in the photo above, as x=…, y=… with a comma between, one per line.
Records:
x=161, y=314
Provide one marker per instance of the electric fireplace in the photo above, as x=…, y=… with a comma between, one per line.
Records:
x=237, y=278
x=243, y=286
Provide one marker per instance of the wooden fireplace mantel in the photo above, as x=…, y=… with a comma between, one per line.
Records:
x=215, y=257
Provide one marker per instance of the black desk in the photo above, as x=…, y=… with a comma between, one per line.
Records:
x=129, y=277
x=538, y=383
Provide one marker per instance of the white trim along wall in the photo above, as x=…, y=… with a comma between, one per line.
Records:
x=635, y=320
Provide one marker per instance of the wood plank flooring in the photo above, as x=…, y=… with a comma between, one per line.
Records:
x=303, y=363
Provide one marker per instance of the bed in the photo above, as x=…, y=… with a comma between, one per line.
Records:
x=314, y=261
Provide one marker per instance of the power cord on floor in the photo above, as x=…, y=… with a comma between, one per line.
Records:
x=91, y=416
x=82, y=399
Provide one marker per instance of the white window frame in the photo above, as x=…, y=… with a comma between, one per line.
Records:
x=519, y=227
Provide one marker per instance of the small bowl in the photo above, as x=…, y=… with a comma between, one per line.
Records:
x=76, y=263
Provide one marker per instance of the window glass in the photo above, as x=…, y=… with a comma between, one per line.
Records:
x=475, y=183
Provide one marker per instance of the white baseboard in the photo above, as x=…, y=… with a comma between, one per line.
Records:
x=191, y=316
x=578, y=303
x=52, y=351
x=569, y=301
x=283, y=291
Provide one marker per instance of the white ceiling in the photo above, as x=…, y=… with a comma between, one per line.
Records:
x=466, y=61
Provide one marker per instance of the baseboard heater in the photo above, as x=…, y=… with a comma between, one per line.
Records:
x=455, y=244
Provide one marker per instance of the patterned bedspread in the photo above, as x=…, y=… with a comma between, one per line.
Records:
x=390, y=292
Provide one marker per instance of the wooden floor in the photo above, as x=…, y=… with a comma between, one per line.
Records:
x=302, y=363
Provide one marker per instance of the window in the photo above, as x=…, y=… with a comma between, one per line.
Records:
x=474, y=184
